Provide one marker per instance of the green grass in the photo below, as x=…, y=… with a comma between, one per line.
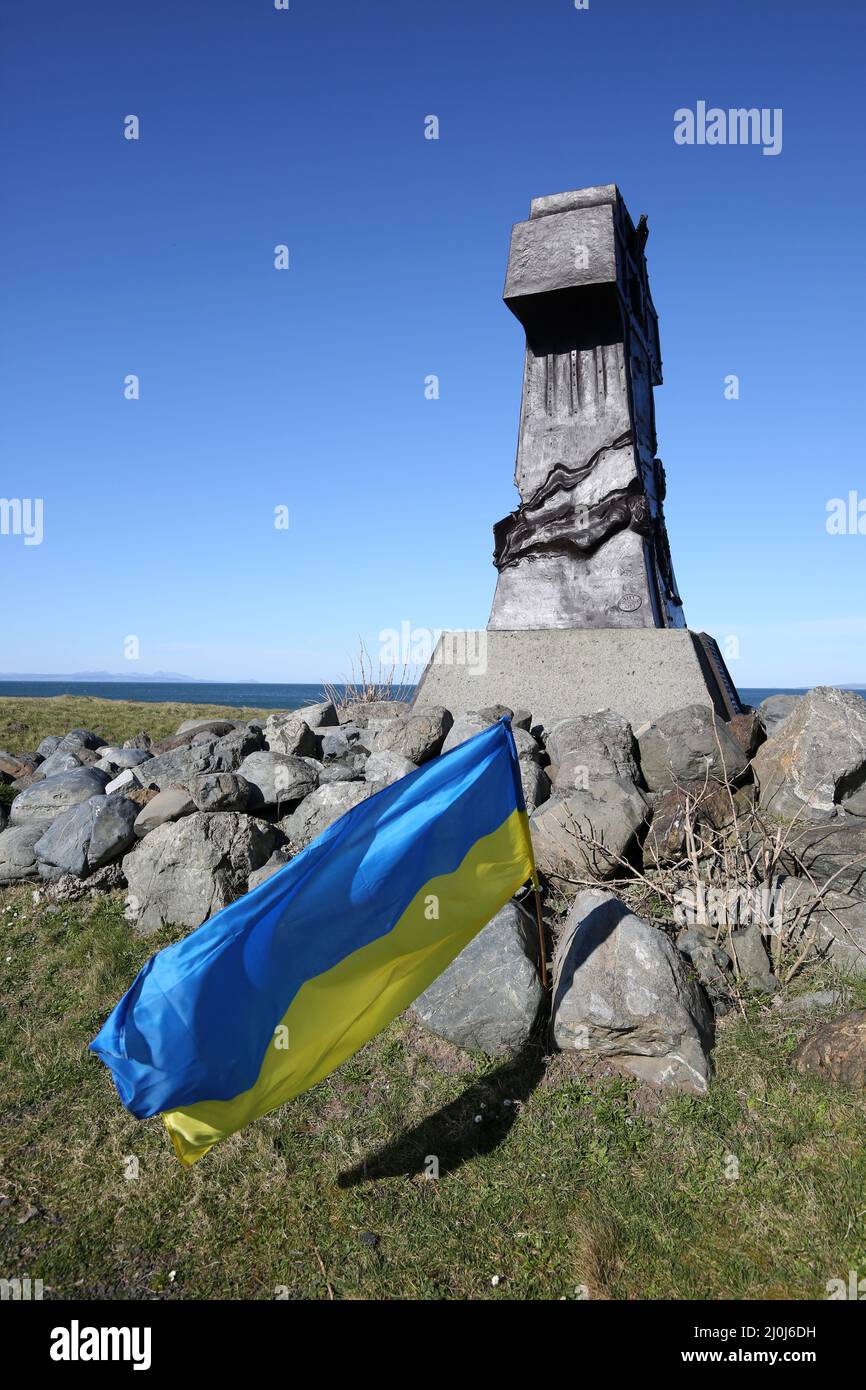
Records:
x=581, y=1183
x=24, y=723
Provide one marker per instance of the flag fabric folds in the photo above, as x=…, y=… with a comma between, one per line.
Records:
x=259, y=1003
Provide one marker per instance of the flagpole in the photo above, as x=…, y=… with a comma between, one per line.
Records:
x=541, y=950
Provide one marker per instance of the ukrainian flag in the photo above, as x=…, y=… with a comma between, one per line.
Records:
x=275, y=991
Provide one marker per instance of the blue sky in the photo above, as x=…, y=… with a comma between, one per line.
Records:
x=305, y=388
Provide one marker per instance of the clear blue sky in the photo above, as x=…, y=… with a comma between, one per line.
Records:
x=305, y=388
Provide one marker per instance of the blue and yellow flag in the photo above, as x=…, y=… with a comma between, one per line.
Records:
x=275, y=991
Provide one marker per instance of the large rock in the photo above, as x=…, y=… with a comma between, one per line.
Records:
x=12, y=767
x=815, y=766
x=17, y=851
x=489, y=997
x=417, y=737
x=321, y=808
x=621, y=990
x=185, y=872
x=590, y=746
x=78, y=739
x=86, y=837
x=114, y=760
x=57, y=762
x=830, y=924
x=213, y=726
x=164, y=807
x=835, y=850
x=705, y=805
x=180, y=765
x=50, y=798
x=277, y=779
x=48, y=746
x=751, y=961
x=278, y=860
x=688, y=745
x=113, y=831
x=535, y=783
x=773, y=712
x=290, y=734
x=837, y=1052
x=610, y=812
x=361, y=712
x=221, y=791
x=747, y=730
x=321, y=716
x=381, y=769
x=474, y=722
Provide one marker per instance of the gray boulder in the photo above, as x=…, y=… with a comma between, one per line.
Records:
x=773, y=712
x=48, y=799
x=278, y=860
x=474, y=722
x=621, y=990
x=139, y=740
x=124, y=782
x=114, y=760
x=467, y=725
x=836, y=849
x=113, y=831
x=590, y=746
x=361, y=712
x=86, y=837
x=321, y=716
x=218, y=727
x=185, y=872
x=221, y=791
x=610, y=811
x=815, y=765
x=349, y=769
x=381, y=769
x=321, y=808
x=166, y=806
x=290, y=734
x=78, y=739
x=48, y=746
x=56, y=762
x=488, y=998
x=830, y=924
x=687, y=745
x=179, y=766
x=417, y=737
x=535, y=783
x=18, y=851
x=335, y=742
x=277, y=778
x=751, y=961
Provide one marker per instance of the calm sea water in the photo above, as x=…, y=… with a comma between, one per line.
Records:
x=252, y=696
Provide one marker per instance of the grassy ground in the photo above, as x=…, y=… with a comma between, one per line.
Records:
x=24, y=723
x=575, y=1183
x=581, y=1185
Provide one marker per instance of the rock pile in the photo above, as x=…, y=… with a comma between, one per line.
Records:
x=190, y=823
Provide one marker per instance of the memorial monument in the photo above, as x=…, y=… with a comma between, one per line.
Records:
x=586, y=612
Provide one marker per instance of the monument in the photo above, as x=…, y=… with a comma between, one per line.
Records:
x=586, y=612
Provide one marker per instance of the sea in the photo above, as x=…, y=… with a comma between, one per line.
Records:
x=243, y=694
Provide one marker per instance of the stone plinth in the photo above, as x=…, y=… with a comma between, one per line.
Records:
x=641, y=673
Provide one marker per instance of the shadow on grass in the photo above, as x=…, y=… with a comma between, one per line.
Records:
x=454, y=1134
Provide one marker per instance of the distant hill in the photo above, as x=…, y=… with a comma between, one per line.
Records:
x=173, y=676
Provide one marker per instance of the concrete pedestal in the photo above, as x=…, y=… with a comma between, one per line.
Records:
x=641, y=673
